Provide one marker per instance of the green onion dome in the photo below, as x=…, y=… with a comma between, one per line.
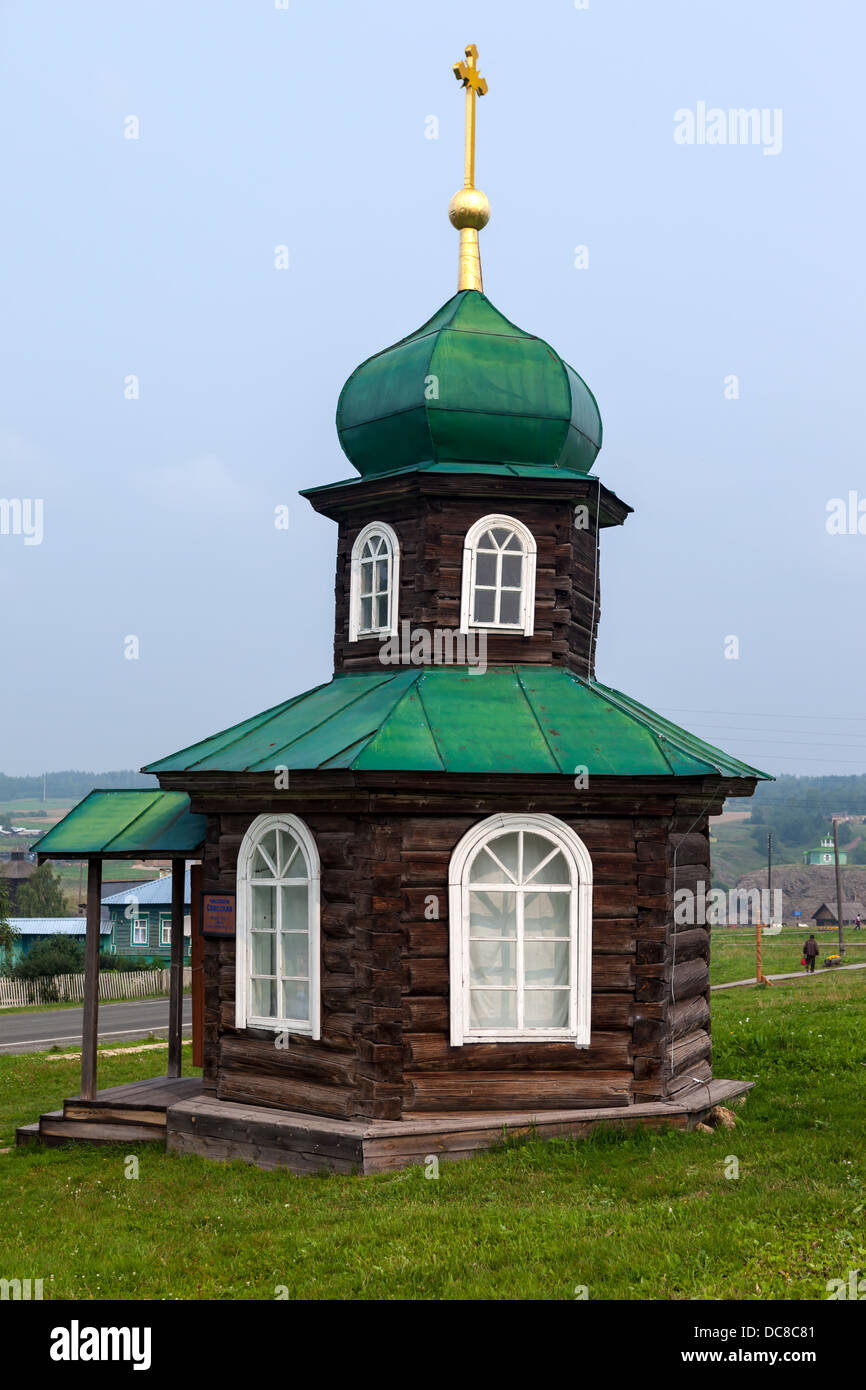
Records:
x=468, y=390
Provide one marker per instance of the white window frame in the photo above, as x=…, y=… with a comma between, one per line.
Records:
x=137, y=924
x=576, y=853
x=374, y=528
x=526, y=622
x=243, y=1015
x=164, y=921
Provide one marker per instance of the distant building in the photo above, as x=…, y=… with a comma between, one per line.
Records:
x=140, y=919
x=826, y=915
x=30, y=930
x=17, y=865
x=824, y=853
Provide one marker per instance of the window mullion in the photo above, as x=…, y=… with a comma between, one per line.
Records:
x=520, y=957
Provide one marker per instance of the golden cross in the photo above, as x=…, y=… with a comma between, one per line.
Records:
x=468, y=75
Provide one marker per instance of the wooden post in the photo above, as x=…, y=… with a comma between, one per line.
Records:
x=840, y=912
x=90, y=1026
x=175, y=991
x=197, y=962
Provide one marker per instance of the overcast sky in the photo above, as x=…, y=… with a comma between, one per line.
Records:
x=307, y=127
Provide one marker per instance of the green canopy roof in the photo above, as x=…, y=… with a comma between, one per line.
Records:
x=126, y=825
x=509, y=719
x=468, y=389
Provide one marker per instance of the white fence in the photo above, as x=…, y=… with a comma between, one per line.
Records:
x=113, y=984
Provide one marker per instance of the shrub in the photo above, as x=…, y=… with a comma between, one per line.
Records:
x=58, y=955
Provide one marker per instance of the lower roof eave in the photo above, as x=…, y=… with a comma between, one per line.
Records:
x=313, y=782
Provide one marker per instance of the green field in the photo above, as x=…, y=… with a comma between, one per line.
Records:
x=637, y=1216
x=732, y=951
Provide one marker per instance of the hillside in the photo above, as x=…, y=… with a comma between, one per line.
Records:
x=808, y=883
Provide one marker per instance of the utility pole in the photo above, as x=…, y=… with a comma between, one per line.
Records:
x=839, y=908
x=760, y=977
x=770, y=873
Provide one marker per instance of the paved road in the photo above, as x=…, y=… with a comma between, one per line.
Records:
x=38, y=1031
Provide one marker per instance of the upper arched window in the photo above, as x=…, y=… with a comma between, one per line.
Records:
x=277, y=958
x=499, y=576
x=375, y=581
x=520, y=925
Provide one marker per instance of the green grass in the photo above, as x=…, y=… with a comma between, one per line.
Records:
x=648, y=1215
x=732, y=951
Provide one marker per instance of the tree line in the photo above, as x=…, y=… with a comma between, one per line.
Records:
x=71, y=785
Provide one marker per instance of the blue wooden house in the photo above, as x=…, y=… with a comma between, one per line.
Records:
x=30, y=930
x=140, y=919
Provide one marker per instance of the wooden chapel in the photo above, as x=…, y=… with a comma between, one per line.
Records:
x=447, y=874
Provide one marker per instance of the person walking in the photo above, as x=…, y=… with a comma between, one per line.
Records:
x=857, y=923
x=810, y=954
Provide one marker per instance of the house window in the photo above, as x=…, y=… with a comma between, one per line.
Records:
x=277, y=982
x=165, y=929
x=520, y=910
x=498, y=576
x=139, y=931
x=374, y=583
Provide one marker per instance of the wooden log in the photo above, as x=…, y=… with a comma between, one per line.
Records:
x=689, y=1015
x=286, y=1093
x=426, y=976
x=313, y=1060
x=422, y=1015
x=690, y=978
x=507, y=1091
x=693, y=944
x=689, y=1050
x=612, y=972
x=428, y=1052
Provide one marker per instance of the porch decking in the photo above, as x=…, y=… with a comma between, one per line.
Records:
x=178, y=1113
x=132, y=1113
x=304, y=1143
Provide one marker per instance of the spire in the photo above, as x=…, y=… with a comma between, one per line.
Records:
x=469, y=209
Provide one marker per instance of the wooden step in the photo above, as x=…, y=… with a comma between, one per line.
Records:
x=29, y=1134
x=59, y=1130
x=95, y=1113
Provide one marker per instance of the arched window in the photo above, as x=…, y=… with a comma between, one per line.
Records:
x=520, y=923
x=277, y=969
x=498, y=576
x=375, y=581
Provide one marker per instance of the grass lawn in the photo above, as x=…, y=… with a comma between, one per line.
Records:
x=642, y=1216
x=732, y=951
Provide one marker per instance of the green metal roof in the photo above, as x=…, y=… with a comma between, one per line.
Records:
x=468, y=388
x=120, y=824
x=510, y=719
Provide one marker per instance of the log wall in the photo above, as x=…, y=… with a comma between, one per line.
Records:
x=385, y=1050
x=431, y=533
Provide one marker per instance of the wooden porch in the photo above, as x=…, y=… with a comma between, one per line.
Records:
x=305, y=1143
x=178, y=1113
x=129, y=1114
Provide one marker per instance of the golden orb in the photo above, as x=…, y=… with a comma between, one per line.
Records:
x=469, y=208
